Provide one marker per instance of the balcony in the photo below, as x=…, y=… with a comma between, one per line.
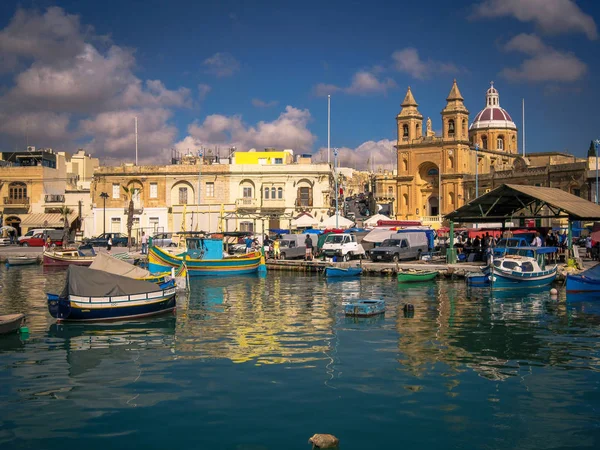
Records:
x=246, y=203
x=430, y=219
x=273, y=203
x=54, y=198
x=16, y=201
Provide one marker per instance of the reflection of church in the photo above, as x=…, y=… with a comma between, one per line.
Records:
x=434, y=171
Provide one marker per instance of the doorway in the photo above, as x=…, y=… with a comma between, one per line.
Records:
x=14, y=222
x=434, y=206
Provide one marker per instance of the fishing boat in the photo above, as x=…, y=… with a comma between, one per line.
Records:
x=417, y=276
x=477, y=280
x=109, y=263
x=586, y=282
x=11, y=323
x=21, y=260
x=340, y=272
x=92, y=295
x=364, y=308
x=522, y=267
x=203, y=256
x=69, y=256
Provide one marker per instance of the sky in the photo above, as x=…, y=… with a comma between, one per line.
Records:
x=216, y=75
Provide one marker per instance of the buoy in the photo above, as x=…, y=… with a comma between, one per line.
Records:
x=409, y=307
x=24, y=330
x=553, y=292
x=324, y=441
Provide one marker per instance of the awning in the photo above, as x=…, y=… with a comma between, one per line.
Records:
x=43, y=220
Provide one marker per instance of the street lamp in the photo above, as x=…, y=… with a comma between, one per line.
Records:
x=476, y=170
x=104, y=196
x=200, y=157
x=335, y=153
x=597, y=142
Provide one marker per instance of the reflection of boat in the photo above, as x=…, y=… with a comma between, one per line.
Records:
x=10, y=323
x=204, y=257
x=587, y=281
x=21, y=260
x=417, y=276
x=339, y=272
x=364, y=308
x=68, y=257
x=523, y=267
x=163, y=325
x=96, y=295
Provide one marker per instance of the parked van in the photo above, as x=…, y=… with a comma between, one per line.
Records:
x=292, y=246
x=342, y=245
x=30, y=234
x=407, y=245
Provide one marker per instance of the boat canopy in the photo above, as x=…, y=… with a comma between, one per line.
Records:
x=85, y=282
x=538, y=250
x=103, y=261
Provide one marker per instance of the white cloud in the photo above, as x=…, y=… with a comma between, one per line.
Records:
x=262, y=104
x=62, y=72
x=363, y=83
x=203, y=90
x=545, y=63
x=376, y=154
x=289, y=130
x=408, y=61
x=550, y=16
x=221, y=65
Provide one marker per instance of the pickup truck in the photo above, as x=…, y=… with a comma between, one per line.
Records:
x=342, y=245
x=401, y=246
x=118, y=240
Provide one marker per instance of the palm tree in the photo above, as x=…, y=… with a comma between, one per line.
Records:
x=65, y=211
x=130, y=192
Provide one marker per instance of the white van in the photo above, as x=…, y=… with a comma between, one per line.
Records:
x=30, y=234
x=342, y=245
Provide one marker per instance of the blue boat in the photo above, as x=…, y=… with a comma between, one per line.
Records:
x=203, y=257
x=586, y=282
x=364, y=308
x=93, y=295
x=339, y=272
x=477, y=280
x=523, y=267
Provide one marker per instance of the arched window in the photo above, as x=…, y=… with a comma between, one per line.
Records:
x=451, y=126
x=405, y=130
x=405, y=165
x=405, y=199
x=451, y=162
x=273, y=190
x=418, y=130
x=433, y=172
x=267, y=193
x=451, y=198
x=484, y=142
x=500, y=142
x=280, y=193
x=465, y=127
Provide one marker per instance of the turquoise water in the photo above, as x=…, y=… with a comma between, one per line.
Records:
x=251, y=363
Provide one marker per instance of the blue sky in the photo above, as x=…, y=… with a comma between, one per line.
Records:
x=231, y=73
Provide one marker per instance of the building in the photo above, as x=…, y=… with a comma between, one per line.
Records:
x=36, y=184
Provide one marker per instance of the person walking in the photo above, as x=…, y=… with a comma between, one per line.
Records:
x=276, y=253
x=109, y=243
x=144, y=244
x=309, y=248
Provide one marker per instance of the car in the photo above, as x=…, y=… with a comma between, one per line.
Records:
x=118, y=240
x=4, y=241
x=163, y=240
x=30, y=234
x=39, y=240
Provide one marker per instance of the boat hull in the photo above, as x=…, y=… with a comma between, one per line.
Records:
x=16, y=261
x=338, y=272
x=578, y=284
x=519, y=280
x=476, y=280
x=75, y=308
x=11, y=323
x=364, y=308
x=159, y=261
x=58, y=260
x=416, y=277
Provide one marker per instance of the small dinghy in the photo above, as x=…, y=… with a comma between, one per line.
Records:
x=416, y=276
x=21, y=260
x=364, y=308
x=477, y=280
x=11, y=323
x=339, y=272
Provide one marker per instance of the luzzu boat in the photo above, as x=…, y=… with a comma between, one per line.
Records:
x=203, y=257
x=523, y=267
x=69, y=256
x=92, y=295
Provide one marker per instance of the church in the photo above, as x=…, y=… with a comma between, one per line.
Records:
x=436, y=174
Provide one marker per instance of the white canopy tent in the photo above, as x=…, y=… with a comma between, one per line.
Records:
x=304, y=221
x=372, y=221
x=342, y=223
x=378, y=235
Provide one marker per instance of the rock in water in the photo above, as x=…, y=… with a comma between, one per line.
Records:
x=324, y=441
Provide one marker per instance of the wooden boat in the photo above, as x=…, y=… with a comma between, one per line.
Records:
x=364, y=308
x=477, y=280
x=92, y=295
x=69, y=256
x=522, y=267
x=416, y=276
x=11, y=323
x=118, y=266
x=21, y=260
x=339, y=272
x=203, y=257
x=586, y=282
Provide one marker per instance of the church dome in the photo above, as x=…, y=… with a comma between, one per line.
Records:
x=492, y=116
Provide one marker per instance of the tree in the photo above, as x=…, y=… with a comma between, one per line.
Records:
x=65, y=211
x=130, y=193
x=592, y=150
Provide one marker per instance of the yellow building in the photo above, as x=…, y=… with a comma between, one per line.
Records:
x=267, y=157
x=432, y=170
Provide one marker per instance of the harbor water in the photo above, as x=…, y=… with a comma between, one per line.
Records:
x=256, y=363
